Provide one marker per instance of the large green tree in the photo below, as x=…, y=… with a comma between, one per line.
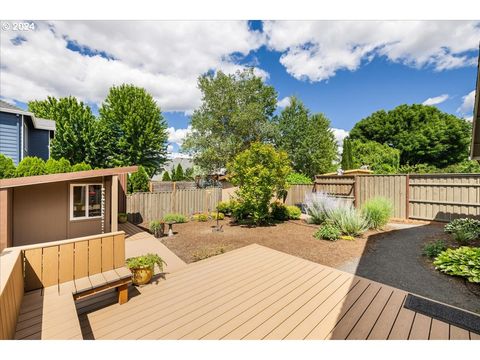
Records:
x=133, y=128
x=236, y=111
x=75, y=135
x=347, y=157
x=308, y=139
x=422, y=134
x=382, y=159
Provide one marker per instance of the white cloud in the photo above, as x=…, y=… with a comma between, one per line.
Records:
x=316, y=50
x=467, y=103
x=165, y=57
x=340, y=134
x=169, y=148
x=436, y=100
x=178, y=135
x=284, y=102
x=469, y=118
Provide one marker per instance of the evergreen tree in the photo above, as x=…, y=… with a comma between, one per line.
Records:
x=179, y=176
x=166, y=176
x=347, y=160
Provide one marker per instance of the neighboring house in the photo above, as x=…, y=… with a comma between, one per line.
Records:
x=23, y=134
x=186, y=163
x=37, y=209
x=475, y=148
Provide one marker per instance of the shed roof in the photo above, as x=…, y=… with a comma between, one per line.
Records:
x=51, y=178
x=475, y=148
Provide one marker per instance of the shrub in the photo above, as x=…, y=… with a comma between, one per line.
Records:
x=318, y=205
x=205, y=253
x=178, y=218
x=328, y=231
x=348, y=220
x=226, y=207
x=347, y=237
x=240, y=211
x=464, y=261
x=260, y=173
x=122, y=218
x=221, y=216
x=145, y=262
x=464, y=237
x=30, y=166
x=139, y=181
x=294, y=212
x=298, y=179
x=466, y=224
x=157, y=228
x=377, y=211
x=83, y=166
x=7, y=168
x=433, y=249
x=201, y=217
x=53, y=166
x=278, y=211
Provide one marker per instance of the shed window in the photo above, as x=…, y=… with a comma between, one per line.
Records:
x=86, y=200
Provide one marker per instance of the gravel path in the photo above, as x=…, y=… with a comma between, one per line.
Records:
x=394, y=258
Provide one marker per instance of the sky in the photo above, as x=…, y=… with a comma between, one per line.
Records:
x=344, y=69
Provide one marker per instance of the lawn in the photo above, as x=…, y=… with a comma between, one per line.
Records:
x=194, y=240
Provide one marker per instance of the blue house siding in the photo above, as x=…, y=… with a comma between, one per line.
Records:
x=38, y=141
x=10, y=136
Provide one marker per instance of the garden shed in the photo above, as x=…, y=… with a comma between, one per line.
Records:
x=44, y=208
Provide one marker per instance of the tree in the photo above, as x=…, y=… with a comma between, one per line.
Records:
x=30, y=166
x=307, y=139
x=83, y=166
x=7, y=168
x=236, y=111
x=260, y=172
x=382, y=159
x=139, y=181
x=166, y=176
x=75, y=133
x=53, y=166
x=422, y=134
x=347, y=159
x=133, y=128
x=179, y=176
x=189, y=174
x=298, y=179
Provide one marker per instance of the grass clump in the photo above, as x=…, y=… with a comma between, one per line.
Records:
x=463, y=230
x=318, y=205
x=178, y=218
x=433, y=249
x=221, y=215
x=329, y=232
x=348, y=220
x=157, y=228
x=205, y=253
x=464, y=262
x=202, y=217
x=377, y=212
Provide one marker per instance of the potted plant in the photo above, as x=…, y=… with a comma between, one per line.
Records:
x=157, y=228
x=122, y=218
x=142, y=267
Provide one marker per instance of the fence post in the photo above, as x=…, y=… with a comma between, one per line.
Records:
x=407, y=196
x=355, y=191
x=174, y=195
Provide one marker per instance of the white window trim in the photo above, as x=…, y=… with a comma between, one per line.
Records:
x=86, y=217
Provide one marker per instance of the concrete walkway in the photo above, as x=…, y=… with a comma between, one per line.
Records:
x=139, y=242
x=395, y=258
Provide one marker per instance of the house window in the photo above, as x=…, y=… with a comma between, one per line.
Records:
x=86, y=201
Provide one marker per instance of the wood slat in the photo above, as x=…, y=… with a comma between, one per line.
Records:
x=66, y=263
x=439, y=330
x=457, y=333
x=50, y=266
x=119, y=251
x=384, y=324
x=403, y=324
x=97, y=280
x=123, y=272
x=420, y=327
x=94, y=256
x=110, y=276
x=107, y=253
x=33, y=269
x=81, y=259
x=83, y=284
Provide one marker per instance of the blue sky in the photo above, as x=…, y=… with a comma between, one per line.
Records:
x=346, y=70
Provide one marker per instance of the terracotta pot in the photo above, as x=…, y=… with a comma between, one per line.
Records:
x=142, y=276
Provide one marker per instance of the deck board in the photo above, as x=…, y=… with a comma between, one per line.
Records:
x=248, y=293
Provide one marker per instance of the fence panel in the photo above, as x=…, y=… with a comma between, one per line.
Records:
x=444, y=197
x=392, y=187
x=296, y=194
x=144, y=207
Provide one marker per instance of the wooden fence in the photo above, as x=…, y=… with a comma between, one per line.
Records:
x=440, y=197
x=159, y=186
x=144, y=207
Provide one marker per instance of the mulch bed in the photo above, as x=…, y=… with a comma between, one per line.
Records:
x=293, y=237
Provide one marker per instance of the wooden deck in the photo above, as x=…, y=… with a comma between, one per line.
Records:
x=259, y=293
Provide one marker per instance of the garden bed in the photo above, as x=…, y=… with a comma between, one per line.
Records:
x=194, y=240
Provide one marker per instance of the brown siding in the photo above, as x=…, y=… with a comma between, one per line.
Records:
x=41, y=213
